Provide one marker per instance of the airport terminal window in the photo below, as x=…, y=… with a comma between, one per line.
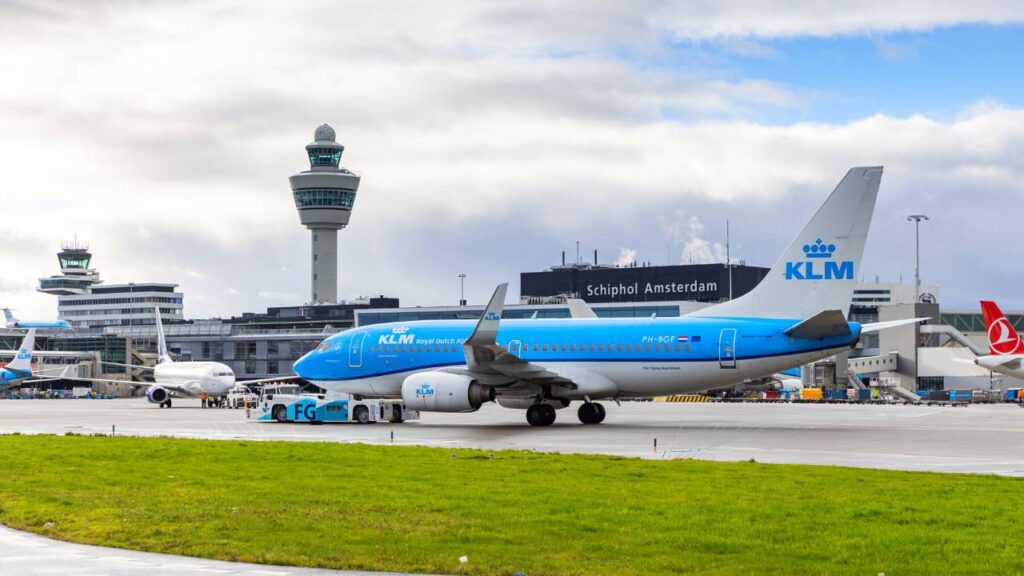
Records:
x=272, y=367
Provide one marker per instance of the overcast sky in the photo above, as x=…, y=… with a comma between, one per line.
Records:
x=493, y=135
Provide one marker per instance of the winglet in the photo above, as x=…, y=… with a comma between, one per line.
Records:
x=579, y=309
x=486, y=331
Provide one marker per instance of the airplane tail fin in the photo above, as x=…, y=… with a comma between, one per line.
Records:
x=162, y=357
x=23, y=359
x=819, y=269
x=1002, y=337
x=9, y=316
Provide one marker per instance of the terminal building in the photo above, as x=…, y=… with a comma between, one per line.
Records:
x=596, y=283
x=86, y=304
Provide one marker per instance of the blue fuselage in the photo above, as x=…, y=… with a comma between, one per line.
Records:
x=57, y=325
x=649, y=356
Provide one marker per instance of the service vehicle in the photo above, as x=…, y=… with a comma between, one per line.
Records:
x=288, y=403
x=241, y=396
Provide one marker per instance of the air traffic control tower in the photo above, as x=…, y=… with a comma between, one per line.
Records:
x=324, y=196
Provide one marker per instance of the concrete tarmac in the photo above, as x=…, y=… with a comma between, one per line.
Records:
x=31, y=555
x=972, y=439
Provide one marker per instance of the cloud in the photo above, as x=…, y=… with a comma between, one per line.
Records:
x=484, y=141
x=686, y=235
x=627, y=257
x=894, y=51
x=277, y=296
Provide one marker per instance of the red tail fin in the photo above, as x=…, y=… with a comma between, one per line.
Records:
x=1002, y=338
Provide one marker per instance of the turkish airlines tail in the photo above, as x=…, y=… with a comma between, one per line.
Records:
x=1002, y=338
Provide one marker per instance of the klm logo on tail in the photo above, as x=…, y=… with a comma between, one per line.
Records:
x=24, y=354
x=819, y=265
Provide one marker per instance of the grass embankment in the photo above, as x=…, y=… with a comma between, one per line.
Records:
x=419, y=509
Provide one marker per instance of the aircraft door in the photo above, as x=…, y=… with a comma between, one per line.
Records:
x=355, y=350
x=515, y=348
x=727, y=348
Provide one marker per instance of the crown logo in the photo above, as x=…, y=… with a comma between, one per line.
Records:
x=400, y=330
x=819, y=249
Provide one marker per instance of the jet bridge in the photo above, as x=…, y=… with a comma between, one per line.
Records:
x=877, y=364
x=955, y=335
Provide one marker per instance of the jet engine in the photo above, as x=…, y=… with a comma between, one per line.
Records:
x=156, y=395
x=444, y=392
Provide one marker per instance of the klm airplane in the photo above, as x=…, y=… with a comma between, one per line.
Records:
x=13, y=322
x=796, y=315
x=19, y=371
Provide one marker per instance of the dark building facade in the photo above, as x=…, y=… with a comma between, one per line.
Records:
x=694, y=282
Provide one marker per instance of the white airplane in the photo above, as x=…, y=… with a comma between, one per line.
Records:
x=192, y=379
x=19, y=371
x=1006, y=349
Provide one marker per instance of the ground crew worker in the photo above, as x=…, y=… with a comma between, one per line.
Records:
x=202, y=398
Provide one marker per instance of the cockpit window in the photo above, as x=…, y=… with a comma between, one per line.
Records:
x=323, y=347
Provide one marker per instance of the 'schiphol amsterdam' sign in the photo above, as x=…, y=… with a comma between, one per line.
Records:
x=615, y=291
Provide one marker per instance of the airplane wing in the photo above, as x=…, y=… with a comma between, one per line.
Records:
x=135, y=366
x=493, y=365
x=265, y=380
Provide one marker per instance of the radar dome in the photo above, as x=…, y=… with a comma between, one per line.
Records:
x=324, y=133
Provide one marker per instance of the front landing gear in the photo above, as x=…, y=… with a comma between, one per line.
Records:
x=540, y=415
x=591, y=413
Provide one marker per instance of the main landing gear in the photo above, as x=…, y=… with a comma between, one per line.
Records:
x=591, y=413
x=540, y=415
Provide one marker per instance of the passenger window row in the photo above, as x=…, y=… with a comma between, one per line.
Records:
x=540, y=348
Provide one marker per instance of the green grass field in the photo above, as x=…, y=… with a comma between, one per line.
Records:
x=420, y=509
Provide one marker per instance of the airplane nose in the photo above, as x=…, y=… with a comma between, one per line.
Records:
x=301, y=365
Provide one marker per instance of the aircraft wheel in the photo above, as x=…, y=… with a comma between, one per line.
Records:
x=600, y=411
x=540, y=415
x=280, y=414
x=589, y=413
x=361, y=414
x=166, y=403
